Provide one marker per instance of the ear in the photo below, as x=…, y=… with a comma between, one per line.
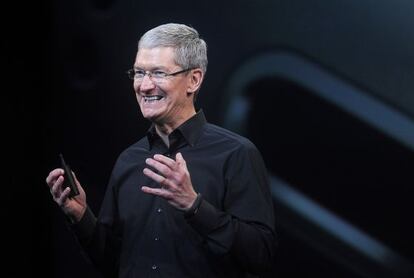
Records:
x=194, y=82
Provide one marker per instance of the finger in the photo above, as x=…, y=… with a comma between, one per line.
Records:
x=156, y=177
x=157, y=192
x=180, y=159
x=63, y=197
x=159, y=166
x=53, y=176
x=56, y=189
x=165, y=160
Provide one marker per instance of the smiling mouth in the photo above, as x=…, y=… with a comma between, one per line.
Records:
x=152, y=99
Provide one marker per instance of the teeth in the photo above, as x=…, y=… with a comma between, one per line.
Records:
x=152, y=98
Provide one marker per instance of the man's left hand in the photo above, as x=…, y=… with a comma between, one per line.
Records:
x=174, y=178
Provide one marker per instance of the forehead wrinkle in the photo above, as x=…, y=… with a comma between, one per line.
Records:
x=155, y=58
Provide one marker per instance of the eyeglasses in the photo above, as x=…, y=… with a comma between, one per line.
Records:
x=156, y=76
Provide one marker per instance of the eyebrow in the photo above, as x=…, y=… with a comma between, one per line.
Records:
x=152, y=68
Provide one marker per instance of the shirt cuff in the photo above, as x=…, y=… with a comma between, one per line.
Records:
x=85, y=227
x=194, y=208
x=205, y=219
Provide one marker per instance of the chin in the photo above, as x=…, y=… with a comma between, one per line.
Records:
x=151, y=116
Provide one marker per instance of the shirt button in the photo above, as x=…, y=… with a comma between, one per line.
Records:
x=156, y=238
x=159, y=210
x=154, y=267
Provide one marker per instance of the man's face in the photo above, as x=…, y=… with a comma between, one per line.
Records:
x=166, y=101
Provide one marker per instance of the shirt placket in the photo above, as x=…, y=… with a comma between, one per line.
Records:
x=157, y=216
x=159, y=211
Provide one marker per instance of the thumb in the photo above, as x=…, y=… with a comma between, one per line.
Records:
x=76, y=179
x=74, y=176
x=179, y=158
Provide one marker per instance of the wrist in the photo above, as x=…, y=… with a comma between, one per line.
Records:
x=76, y=215
x=194, y=207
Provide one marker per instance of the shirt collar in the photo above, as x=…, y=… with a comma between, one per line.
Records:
x=190, y=130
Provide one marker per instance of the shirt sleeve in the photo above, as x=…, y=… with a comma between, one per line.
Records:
x=244, y=229
x=99, y=238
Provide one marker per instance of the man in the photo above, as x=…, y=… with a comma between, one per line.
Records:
x=190, y=199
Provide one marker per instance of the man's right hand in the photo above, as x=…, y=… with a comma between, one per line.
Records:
x=74, y=207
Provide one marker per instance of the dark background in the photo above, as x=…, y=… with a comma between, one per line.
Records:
x=66, y=91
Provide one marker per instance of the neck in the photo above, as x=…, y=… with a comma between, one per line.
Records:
x=164, y=137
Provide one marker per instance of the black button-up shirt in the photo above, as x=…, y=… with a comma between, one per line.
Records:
x=141, y=235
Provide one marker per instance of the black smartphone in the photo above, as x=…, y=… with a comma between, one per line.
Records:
x=69, y=179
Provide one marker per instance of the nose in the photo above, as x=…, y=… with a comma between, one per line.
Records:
x=146, y=84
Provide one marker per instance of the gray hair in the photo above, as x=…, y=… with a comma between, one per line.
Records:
x=190, y=49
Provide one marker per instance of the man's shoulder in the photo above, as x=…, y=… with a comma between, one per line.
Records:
x=140, y=146
x=221, y=134
x=238, y=147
